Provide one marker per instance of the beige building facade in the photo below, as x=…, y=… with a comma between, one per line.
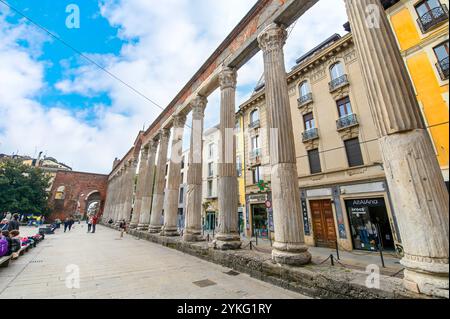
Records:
x=344, y=194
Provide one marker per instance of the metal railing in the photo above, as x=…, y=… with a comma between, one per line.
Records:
x=433, y=17
x=347, y=121
x=305, y=99
x=255, y=124
x=442, y=66
x=337, y=83
x=310, y=135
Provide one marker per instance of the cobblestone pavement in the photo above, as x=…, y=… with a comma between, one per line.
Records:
x=110, y=267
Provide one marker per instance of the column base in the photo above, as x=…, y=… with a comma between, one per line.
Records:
x=142, y=227
x=291, y=254
x=227, y=242
x=428, y=278
x=169, y=232
x=192, y=237
x=133, y=226
x=154, y=229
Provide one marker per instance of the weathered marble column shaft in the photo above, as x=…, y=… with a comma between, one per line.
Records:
x=228, y=236
x=289, y=247
x=171, y=196
x=139, y=187
x=420, y=198
x=160, y=180
x=129, y=189
x=193, y=221
x=147, y=190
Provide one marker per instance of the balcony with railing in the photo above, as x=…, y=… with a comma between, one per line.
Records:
x=442, y=66
x=305, y=99
x=433, y=18
x=347, y=122
x=338, y=83
x=310, y=135
x=255, y=124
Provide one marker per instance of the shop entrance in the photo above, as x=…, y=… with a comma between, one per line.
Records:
x=369, y=224
x=323, y=223
x=259, y=220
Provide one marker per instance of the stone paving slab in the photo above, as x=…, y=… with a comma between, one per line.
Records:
x=127, y=268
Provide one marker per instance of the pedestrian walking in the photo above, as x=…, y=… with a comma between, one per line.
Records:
x=14, y=223
x=122, y=227
x=71, y=222
x=94, y=223
x=89, y=223
x=66, y=224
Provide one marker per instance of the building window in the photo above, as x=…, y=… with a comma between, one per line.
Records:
x=304, y=89
x=344, y=107
x=353, y=150
x=441, y=52
x=314, y=161
x=256, y=151
x=182, y=163
x=210, y=169
x=336, y=71
x=309, y=122
x=211, y=151
x=256, y=172
x=181, y=195
x=431, y=13
x=254, y=119
x=210, y=189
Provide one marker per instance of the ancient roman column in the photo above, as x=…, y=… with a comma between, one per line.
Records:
x=193, y=221
x=420, y=198
x=147, y=191
x=139, y=187
x=289, y=246
x=160, y=180
x=122, y=193
x=129, y=189
x=228, y=236
x=171, y=194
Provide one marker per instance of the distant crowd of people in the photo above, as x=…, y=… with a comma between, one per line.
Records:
x=29, y=220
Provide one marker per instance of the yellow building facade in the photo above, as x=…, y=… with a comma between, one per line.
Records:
x=421, y=29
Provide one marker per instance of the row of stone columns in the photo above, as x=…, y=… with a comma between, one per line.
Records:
x=413, y=174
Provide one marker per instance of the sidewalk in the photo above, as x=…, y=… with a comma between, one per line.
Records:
x=354, y=260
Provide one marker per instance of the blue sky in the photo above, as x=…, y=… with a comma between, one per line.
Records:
x=53, y=100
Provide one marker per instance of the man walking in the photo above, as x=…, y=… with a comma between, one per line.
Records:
x=94, y=223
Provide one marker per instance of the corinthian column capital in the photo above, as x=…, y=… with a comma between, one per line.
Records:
x=164, y=133
x=273, y=37
x=198, y=106
x=179, y=120
x=228, y=78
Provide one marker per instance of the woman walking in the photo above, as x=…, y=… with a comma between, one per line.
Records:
x=122, y=227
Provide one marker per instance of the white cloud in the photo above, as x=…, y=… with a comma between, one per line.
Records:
x=166, y=42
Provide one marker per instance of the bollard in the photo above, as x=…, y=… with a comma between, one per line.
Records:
x=256, y=236
x=337, y=251
x=332, y=259
x=251, y=247
x=270, y=239
x=380, y=246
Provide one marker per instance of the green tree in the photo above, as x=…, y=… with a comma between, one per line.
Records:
x=23, y=189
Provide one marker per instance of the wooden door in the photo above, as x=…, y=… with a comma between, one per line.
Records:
x=323, y=223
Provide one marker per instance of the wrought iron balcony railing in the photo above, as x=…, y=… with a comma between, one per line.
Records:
x=433, y=18
x=442, y=66
x=339, y=82
x=305, y=99
x=310, y=135
x=347, y=121
x=254, y=124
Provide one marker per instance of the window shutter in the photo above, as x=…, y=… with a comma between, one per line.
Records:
x=354, y=154
x=314, y=161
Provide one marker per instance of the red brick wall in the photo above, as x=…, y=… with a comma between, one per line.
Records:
x=78, y=186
